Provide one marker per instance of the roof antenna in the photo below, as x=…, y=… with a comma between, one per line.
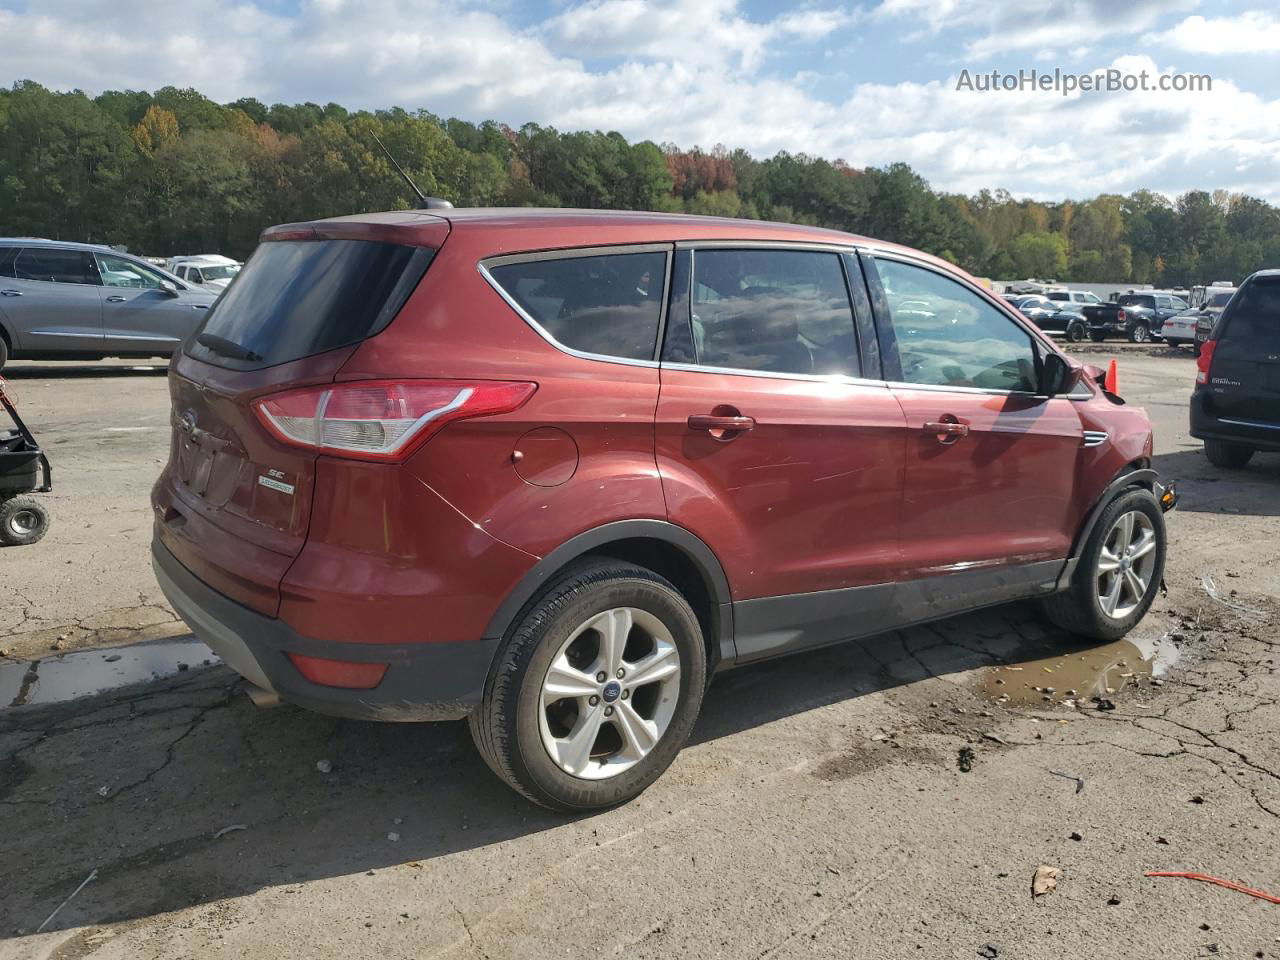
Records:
x=424, y=202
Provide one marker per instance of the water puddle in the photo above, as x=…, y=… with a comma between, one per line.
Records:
x=1082, y=674
x=86, y=672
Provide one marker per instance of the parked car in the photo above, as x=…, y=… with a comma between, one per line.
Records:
x=1180, y=329
x=77, y=301
x=209, y=270
x=1212, y=304
x=1137, y=316
x=1235, y=408
x=1066, y=321
x=1033, y=306
x=1073, y=296
x=551, y=470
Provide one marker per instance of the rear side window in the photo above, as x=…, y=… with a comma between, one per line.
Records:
x=54, y=266
x=1131, y=300
x=298, y=298
x=776, y=311
x=604, y=304
x=1255, y=315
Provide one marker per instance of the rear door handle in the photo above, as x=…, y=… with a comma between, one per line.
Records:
x=947, y=429
x=10, y=293
x=116, y=299
x=713, y=423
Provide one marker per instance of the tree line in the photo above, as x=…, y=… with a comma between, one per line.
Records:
x=175, y=172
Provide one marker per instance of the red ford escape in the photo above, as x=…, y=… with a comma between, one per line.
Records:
x=550, y=470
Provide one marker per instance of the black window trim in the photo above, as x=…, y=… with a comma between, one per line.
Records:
x=1039, y=341
x=843, y=252
x=578, y=253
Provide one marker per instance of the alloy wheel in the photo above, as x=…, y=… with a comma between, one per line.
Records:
x=1126, y=564
x=609, y=693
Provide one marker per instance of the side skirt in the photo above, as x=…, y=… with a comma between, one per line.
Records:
x=775, y=626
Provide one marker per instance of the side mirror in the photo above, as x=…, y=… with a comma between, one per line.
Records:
x=168, y=287
x=1058, y=375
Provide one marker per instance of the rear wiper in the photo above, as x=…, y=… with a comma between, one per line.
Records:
x=228, y=348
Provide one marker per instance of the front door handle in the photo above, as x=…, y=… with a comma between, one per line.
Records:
x=10, y=293
x=116, y=299
x=721, y=426
x=947, y=428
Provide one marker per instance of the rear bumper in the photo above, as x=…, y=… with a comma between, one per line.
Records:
x=1207, y=425
x=425, y=681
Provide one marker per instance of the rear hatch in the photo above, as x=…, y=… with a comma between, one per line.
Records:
x=1244, y=376
x=234, y=503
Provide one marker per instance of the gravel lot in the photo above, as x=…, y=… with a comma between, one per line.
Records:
x=822, y=810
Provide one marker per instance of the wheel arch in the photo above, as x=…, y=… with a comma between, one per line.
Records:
x=1137, y=473
x=667, y=549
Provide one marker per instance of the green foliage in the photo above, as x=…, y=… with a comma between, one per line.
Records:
x=173, y=171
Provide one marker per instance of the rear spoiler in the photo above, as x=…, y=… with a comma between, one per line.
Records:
x=410, y=228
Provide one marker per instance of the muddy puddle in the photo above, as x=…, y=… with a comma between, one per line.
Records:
x=86, y=672
x=1082, y=674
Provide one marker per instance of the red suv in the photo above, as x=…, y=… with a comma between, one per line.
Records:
x=550, y=470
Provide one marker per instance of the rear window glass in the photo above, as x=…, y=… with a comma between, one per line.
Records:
x=607, y=304
x=298, y=298
x=1255, y=314
x=1130, y=300
x=54, y=266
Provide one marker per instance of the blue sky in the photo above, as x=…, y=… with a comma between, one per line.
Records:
x=871, y=82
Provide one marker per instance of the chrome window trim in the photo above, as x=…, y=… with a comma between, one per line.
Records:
x=577, y=253
x=784, y=245
x=943, y=388
x=771, y=375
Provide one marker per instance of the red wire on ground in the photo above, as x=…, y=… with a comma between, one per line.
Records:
x=1204, y=877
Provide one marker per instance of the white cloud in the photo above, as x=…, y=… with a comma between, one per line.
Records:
x=1033, y=143
x=1002, y=25
x=1250, y=32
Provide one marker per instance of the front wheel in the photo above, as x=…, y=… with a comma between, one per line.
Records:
x=1118, y=572
x=1139, y=333
x=595, y=691
x=23, y=520
x=1076, y=332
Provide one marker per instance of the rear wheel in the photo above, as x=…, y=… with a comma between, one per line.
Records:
x=1118, y=572
x=23, y=520
x=1224, y=453
x=595, y=691
x=1139, y=333
x=4, y=351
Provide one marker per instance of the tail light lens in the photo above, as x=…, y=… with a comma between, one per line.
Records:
x=1120, y=315
x=382, y=419
x=1205, y=360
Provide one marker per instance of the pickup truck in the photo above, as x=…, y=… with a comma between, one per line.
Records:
x=1138, y=316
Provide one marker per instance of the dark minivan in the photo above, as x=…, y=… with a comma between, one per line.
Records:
x=1235, y=408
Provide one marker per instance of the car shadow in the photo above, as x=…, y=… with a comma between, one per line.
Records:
x=184, y=793
x=1203, y=488
x=72, y=370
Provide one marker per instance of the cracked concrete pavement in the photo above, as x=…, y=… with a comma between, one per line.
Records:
x=819, y=812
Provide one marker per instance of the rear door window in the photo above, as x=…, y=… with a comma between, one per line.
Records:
x=1255, y=316
x=298, y=298
x=775, y=311
x=604, y=304
x=54, y=266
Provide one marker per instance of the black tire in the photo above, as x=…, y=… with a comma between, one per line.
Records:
x=1224, y=453
x=23, y=520
x=1076, y=332
x=4, y=351
x=505, y=726
x=1139, y=333
x=1097, y=337
x=1078, y=608
x=1195, y=348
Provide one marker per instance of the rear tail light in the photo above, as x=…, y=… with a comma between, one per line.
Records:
x=382, y=419
x=1120, y=315
x=1205, y=360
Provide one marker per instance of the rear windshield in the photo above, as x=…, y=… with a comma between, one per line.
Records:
x=297, y=298
x=1219, y=299
x=1130, y=300
x=1255, y=314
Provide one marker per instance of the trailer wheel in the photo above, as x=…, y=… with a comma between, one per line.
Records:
x=23, y=520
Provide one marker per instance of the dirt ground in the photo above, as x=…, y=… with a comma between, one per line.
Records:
x=890, y=798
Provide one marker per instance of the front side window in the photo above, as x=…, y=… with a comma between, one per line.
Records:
x=54, y=266
x=948, y=336
x=776, y=311
x=119, y=272
x=603, y=304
